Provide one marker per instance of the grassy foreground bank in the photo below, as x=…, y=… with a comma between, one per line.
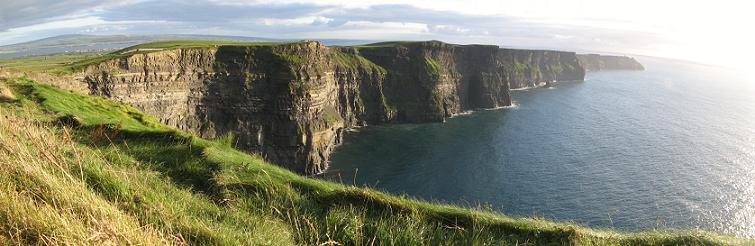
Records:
x=83, y=170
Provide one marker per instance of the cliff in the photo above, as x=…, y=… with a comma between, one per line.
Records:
x=291, y=102
x=595, y=62
x=157, y=185
x=281, y=101
x=533, y=68
x=430, y=81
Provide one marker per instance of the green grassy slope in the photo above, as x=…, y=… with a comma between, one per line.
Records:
x=188, y=44
x=122, y=177
x=74, y=62
x=159, y=46
x=86, y=170
x=56, y=63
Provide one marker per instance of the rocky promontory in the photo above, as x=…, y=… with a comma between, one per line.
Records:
x=291, y=102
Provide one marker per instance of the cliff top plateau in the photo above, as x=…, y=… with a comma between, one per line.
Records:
x=194, y=142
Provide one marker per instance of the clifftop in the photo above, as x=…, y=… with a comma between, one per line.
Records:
x=113, y=175
x=162, y=46
x=292, y=101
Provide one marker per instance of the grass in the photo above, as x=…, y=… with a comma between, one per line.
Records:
x=6, y=95
x=293, y=59
x=556, y=68
x=331, y=116
x=121, y=177
x=80, y=64
x=56, y=63
x=190, y=44
x=520, y=67
x=68, y=63
x=355, y=61
x=432, y=67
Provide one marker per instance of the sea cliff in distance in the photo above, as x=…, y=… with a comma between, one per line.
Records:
x=596, y=62
x=292, y=101
x=139, y=171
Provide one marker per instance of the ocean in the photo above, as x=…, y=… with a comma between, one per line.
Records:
x=671, y=147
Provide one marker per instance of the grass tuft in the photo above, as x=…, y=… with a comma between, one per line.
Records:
x=6, y=95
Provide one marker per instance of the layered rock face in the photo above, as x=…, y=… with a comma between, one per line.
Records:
x=431, y=81
x=533, y=68
x=595, y=62
x=279, y=101
x=291, y=102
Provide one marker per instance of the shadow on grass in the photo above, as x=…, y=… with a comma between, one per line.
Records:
x=160, y=149
x=7, y=100
x=174, y=156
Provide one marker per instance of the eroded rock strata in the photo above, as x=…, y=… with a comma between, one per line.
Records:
x=292, y=102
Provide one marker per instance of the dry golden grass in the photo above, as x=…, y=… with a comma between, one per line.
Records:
x=153, y=185
x=43, y=199
x=5, y=93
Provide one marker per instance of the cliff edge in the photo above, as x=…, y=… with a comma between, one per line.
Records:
x=291, y=102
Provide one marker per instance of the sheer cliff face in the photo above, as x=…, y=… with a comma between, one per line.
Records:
x=279, y=101
x=533, y=68
x=431, y=81
x=595, y=62
x=291, y=102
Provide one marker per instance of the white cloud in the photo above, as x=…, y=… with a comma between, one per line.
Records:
x=700, y=30
x=68, y=23
x=307, y=20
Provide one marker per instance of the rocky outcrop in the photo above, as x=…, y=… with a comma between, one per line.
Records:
x=595, y=62
x=291, y=102
x=534, y=68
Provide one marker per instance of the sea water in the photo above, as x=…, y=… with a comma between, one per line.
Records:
x=671, y=147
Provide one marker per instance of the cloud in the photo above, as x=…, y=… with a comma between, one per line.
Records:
x=210, y=12
x=309, y=20
x=15, y=13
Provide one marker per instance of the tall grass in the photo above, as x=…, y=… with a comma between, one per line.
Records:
x=6, y=95
x=44, y=198
x=152, y=184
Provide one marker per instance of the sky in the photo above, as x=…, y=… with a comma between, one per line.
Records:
x=715, y=32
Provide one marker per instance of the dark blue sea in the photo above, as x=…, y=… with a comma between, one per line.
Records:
x=671, y=147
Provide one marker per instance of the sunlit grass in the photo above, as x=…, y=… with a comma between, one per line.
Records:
x=122, y=177
x=55, y=63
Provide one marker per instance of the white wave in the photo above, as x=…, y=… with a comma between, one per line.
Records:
x=354, y=129
x=513, y=105
x=537, y=85
x=467, y=112
x=523, y=88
